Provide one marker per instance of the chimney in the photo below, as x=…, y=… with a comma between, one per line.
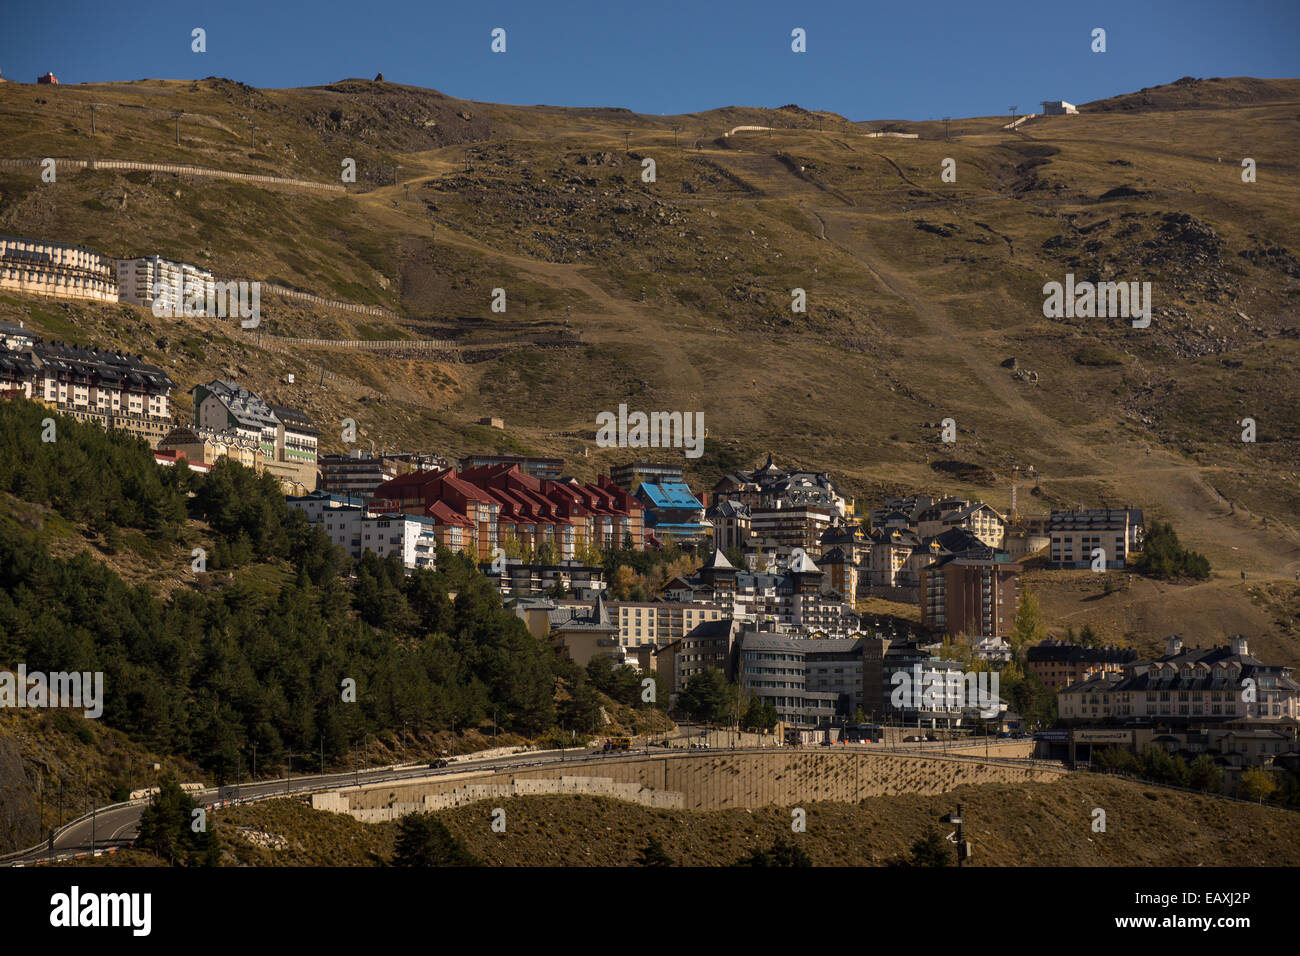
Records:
x=1173, y=645
x=1239, y=644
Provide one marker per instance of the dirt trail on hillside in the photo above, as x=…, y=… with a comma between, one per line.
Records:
x=609, y=315
x=941, y=327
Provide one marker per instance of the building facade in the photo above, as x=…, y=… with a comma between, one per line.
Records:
x=54, y=269
x=1074, y=535
x=1058, y=664
x=355, y=529
x=971, y=595
x=286, y=440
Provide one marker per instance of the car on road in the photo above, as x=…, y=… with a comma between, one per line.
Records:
x=437, y=764
x=914, y=739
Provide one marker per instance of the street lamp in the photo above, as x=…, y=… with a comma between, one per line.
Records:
x=963, y=847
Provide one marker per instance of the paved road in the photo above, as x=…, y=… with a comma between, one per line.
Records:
x=115, y=826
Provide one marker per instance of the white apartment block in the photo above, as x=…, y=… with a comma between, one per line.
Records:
x=140, y=281
x=355, y=530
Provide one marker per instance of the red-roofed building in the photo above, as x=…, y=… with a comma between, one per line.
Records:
x=484, y=507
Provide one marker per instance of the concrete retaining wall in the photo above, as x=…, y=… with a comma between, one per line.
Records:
x=692, y=782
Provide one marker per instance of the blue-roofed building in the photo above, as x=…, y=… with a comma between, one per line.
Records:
x=673, y=511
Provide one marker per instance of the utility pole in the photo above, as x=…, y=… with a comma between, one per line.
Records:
x=177, y=116
x=946, y=120
x=288, y=773
x=1013, y=117
x=627, y=141
x=92, y=118
x=92, y=826
x=252, y=135
x=963, y=848
x=675, y=130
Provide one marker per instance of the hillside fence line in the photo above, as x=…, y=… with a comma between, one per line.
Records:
x=387, y=345
x=176, y=168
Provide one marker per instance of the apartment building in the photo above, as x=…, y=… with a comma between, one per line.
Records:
x=35, y=267
x=1058, y=664
x=354, y=528
x=710, y=644
x=770, y=486
x=924, y=691
x=206, y=446
x=1074, y=535
x=486, y=506
x=287, y=441
x=1193, y=686
x=630, y=476
x=841, y=573
x=972, y=595
x=637, y=624
x=148, y=279
x=513, y=578
x=811, y=682
x=732, y=526
x=673, y=513
x=111, y=389
x=795, y=526
x=544, y=468
x=360, y=472
x=15, y=337
x=792, y=600
x=774, y=668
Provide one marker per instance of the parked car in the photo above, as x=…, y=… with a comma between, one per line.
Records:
x=914, y=739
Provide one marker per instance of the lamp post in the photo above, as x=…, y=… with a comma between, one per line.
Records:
x=963, y=848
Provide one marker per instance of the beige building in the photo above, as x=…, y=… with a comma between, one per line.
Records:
x=1076, y=534
x=1200, y=686
x=285, y=439
x=112, y=389
x=55, y=269
x=208, y=445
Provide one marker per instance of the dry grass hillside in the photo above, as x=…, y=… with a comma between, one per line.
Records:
x=1021, y=825
x=919, y=290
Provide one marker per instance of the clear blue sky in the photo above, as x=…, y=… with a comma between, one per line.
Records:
x=907, y=59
